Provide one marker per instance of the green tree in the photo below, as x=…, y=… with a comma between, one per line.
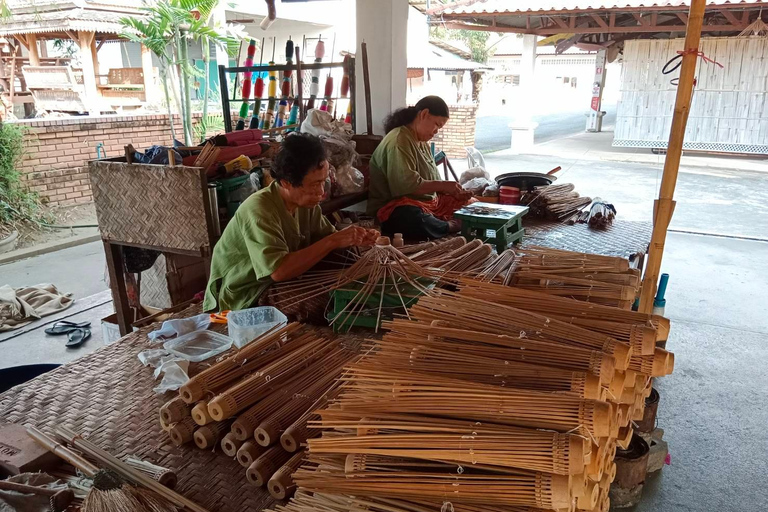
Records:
x=166, y=30
x=476, y=41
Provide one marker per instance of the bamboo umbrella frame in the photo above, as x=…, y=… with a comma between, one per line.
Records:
x=230, y=444
x=183, y=431
x=248, y=452
x=210, y=435
x=281, y=485
x=266, y=349
x=467, y=312
x=257, y=386
x=436, y=481
x=200, y=413
x=638, y=333
x=246, y=423
x=174, y=410
x=271, y=428
x=262, y=469
x=486, y=370
x=572, y=308
x=391, y=391
x=507, y=348
x=299, y=432
x=454, y=441
x=321, y=502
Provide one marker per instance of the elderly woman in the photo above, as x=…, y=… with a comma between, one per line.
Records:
x=406, y=193
x=279, y=232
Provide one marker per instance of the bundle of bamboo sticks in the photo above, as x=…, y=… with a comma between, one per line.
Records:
x=591, y=278
x=480, y=392
x=556, y=202
x=247, y=401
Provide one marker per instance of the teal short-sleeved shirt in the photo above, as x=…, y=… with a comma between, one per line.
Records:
x=253, y=246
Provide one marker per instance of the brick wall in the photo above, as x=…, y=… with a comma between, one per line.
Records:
x=459, y=132
x=57, y=150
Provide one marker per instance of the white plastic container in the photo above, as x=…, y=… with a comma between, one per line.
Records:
x=248, y=324
x=199, y=345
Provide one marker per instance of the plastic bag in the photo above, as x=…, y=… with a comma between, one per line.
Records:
x=491, y=190
x=348, y=181
x=477, y=185
x=249, y=186
x=474, y=172
x=174, y=375
x=180, y=326
x=320, y=122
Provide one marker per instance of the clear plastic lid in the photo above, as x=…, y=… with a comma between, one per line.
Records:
x=199, y=345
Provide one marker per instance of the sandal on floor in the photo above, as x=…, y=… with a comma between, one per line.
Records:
x=65, y=327
x=77, y=337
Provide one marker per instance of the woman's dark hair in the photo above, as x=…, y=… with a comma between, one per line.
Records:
x=404, y=116
x=299, y=154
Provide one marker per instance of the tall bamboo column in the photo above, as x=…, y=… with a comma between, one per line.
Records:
x=665, y=205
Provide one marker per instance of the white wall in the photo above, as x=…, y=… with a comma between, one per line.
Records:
x=382, y=25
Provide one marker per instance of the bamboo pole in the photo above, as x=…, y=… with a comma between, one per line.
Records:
x=664, y=206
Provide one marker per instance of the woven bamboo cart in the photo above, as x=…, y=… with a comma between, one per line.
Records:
x=159, y=207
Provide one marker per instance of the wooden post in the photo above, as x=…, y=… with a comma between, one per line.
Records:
x=95, y=59
x=34, y=55
x=665, y=205
x=89, y=73
x=150, y=89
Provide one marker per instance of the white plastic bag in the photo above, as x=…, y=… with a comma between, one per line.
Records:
x=348, y=181
x=180, y=326
x=477, y=185
x=474, y=172
x=320, y=122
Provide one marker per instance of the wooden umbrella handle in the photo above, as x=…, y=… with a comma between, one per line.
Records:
x=62, y=452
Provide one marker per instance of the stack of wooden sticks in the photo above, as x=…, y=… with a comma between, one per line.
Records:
x=255, y=404
x=488, y=398
x=556, y=202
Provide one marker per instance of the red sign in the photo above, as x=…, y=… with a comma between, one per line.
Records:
x=595, y=103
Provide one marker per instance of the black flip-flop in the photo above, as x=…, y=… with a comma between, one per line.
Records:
x=65, y=327
x=77, y=337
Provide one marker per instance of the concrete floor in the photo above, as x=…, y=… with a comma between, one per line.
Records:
x=712, y=407
x=79, y=271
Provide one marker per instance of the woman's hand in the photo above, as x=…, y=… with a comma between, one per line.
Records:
x=451, y=188
x=354, y=236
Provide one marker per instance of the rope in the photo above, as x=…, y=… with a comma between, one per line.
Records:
x=680, y=54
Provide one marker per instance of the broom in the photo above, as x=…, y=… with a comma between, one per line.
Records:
x=109, y=492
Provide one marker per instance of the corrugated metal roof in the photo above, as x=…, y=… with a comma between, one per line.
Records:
x=59, y=21
x=433, y=57
x=490, y=7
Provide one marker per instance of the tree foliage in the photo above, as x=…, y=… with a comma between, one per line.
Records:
x=476, y=41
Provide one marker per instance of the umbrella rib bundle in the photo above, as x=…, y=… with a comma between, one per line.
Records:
x=558, y=202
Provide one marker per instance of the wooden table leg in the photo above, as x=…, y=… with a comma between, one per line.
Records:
x=116, y=269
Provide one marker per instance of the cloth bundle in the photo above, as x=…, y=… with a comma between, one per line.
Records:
x=21, y=306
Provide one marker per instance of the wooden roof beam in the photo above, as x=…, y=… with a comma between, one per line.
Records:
x=641, y=19
x=487, y=28
x=683, y=17
x=619, y=10
x=730, y=17
x=647, y=29
x=558, y=21
x=600, y=21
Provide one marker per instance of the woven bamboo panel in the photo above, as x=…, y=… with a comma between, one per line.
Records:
x=154, y=205
x=622, y=239
x=108, y=397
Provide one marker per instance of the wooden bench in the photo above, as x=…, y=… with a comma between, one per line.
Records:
x=124, y=88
